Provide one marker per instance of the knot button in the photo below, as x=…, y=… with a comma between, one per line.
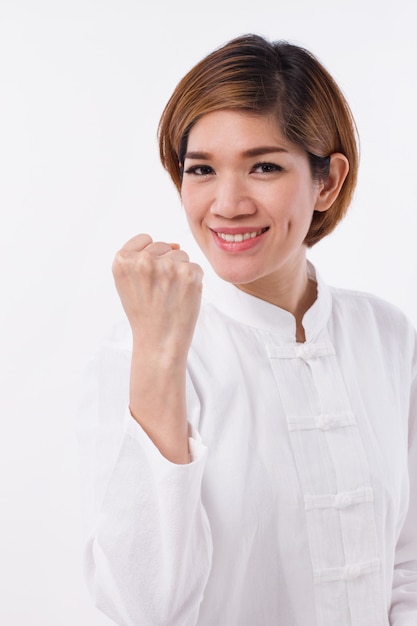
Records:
x=352, y=571
x=343, y=500
x=306, y=351
x=325, y=422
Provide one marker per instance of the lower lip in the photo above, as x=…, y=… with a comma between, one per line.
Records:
x=237, y=246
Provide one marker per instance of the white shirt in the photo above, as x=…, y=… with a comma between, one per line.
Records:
x=300, y=505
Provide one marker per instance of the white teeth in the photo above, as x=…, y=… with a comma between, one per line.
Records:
x=239, y=237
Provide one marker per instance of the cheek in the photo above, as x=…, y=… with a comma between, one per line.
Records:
x=185, y=201
x=193, y=205
x=295, y=212
x=302, y=203
x=191, y=213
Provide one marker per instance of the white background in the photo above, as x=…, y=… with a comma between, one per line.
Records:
x=83, y=83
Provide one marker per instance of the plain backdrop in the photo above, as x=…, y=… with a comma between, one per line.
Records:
x=83, y=83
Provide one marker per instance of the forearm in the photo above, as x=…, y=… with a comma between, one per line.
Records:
x=157, y=400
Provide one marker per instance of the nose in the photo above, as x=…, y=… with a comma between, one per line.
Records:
x=232, y=198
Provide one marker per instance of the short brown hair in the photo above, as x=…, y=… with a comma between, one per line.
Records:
x=252, y=74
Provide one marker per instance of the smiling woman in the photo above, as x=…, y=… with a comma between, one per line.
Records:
x=253, y=459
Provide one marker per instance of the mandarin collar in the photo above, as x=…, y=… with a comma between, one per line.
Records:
x=267, y=317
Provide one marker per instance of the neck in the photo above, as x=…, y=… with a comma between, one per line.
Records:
x=291, y=290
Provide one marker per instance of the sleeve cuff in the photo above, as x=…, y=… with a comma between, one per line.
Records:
x=198, y=450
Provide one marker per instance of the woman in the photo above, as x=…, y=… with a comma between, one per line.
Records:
x=265, y=471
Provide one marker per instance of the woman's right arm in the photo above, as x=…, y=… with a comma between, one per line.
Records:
x=160, y=292
x=149, y=550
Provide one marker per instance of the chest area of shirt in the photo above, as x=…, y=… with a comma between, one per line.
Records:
x=295, y=421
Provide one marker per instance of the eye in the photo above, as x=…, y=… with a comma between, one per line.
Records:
x=266, y=168
x=199, y=170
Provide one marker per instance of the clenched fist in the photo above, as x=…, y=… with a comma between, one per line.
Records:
x=160, y=291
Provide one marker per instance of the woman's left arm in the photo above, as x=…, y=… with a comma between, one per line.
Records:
x=404, y=589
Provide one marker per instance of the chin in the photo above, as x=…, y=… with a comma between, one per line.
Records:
x=236, y=277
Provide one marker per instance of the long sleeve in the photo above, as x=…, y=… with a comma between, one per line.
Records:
x=404, y=592
x=148, y=552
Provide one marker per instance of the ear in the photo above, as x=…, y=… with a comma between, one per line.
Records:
x=330, y=188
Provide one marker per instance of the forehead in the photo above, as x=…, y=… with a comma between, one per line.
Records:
x=235, y=128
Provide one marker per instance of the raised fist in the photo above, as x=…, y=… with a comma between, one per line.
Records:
x=160, y=292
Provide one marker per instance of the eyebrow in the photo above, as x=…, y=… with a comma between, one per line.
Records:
x=253, y=152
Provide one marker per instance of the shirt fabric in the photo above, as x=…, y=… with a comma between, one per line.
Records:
x=299, y=507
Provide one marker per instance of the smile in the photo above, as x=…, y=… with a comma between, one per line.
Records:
x=238, y=237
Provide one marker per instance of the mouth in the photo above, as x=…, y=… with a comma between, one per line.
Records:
x=238, y=237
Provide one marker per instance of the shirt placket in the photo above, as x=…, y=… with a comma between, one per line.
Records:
x=334, y=477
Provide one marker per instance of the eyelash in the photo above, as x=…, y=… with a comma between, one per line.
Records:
x=272, y=167
x=194, y=170
x=206, y=170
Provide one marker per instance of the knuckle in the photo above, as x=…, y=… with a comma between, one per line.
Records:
x=127, y=263
x=183, y=270
x=193, y=273
x=119, y=263
x=144, y=257
x=144, y=263
x=183, y=256
x=198, y=271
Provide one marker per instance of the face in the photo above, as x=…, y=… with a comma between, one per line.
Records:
x=249, y=198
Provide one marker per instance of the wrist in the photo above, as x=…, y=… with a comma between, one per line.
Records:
x=162, y=355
